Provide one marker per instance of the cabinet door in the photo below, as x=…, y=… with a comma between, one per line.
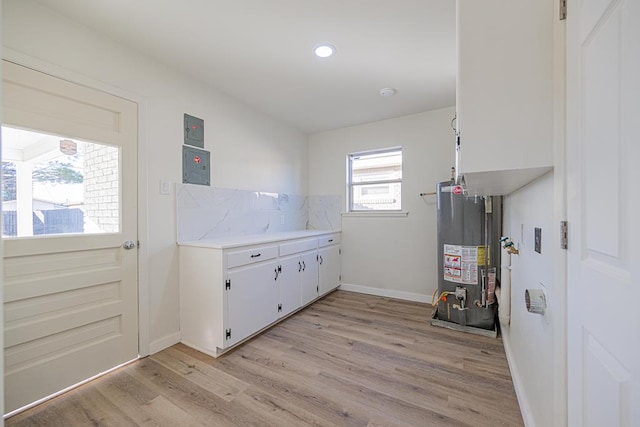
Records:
x=289, y=283
x=309, y=276
x=252, y=300
x=505, y=90
x=329, y=266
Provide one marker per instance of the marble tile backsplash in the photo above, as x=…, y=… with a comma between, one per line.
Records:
x=210, y=212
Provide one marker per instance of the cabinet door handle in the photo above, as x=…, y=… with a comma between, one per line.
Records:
x=304, y=266
x=255, y=255
x=321, y=260
x=276, y=270
x=330, y=240
x=299, y=266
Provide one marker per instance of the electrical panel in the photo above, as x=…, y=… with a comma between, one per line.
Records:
x=196, y=167
x=193, y=131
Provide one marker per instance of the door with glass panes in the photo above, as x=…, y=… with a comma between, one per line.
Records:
x=69, y=233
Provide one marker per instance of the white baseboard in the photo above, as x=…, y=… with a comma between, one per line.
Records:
x=409, y=296
x=525, y=408
x=164, y=342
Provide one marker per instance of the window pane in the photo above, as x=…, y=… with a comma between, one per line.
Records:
x=384, y=197
x=53, y=185
x=376, y=167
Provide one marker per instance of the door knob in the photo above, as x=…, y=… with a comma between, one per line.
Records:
x=129, y=244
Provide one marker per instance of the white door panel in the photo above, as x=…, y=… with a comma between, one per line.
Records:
x=289, y=284
x=309, y=277
x=70, y=299
x=87, y=114
x=604, y=259
x=252, y=300
x=329, y=268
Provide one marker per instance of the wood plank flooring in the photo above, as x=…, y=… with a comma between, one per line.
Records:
x=347, y=360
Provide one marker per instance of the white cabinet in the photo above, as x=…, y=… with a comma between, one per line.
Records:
x=298, y=281
x=505, y=102
x=229, y=291
x=252, y=300
x=309, y=276
x=302, y=271
x=329, y=265
x=289, y=284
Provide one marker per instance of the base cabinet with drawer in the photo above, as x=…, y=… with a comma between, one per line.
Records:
x=329, y=255
x=229, y=292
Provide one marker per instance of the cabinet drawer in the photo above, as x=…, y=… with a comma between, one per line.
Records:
x=237, y=258
x=298, y=246
x=329, y=239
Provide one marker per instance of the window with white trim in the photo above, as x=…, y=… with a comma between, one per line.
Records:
x=375, y=180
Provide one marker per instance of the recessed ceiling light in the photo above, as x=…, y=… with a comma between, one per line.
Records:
x=324, y=50
x=388, y=91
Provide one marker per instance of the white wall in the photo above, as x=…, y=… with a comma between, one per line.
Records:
x=249, y=150
x=1, y=261
x=536, y=345
x=393, y=256
x=530, y=338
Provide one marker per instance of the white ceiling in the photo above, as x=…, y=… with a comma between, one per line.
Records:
x=260, y=51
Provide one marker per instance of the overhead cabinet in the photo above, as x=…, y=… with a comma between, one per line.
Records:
x=234, y=288
x=504, y=93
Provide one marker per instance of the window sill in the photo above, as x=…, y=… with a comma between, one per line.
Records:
x=376, y=214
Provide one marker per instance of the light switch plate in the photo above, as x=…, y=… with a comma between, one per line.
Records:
x=165, y=187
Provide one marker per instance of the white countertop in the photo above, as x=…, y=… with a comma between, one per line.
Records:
x=254, y=239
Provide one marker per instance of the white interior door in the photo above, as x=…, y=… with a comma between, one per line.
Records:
x=603, y=150
x=70, y=287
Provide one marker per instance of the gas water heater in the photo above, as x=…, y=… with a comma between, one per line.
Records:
x=469, y=230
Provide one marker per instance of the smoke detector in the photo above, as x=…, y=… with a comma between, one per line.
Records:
x=388, y=91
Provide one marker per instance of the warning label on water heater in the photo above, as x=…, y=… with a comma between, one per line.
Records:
x=461, y=264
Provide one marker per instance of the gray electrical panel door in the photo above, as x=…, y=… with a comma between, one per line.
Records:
x=193, y=131
x=196, y=167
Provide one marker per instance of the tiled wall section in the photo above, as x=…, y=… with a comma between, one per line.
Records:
x=210, y=212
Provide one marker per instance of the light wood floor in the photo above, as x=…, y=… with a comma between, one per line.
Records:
x=347, y=360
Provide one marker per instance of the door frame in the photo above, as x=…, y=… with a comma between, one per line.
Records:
x=559, y=294
x=142, y=173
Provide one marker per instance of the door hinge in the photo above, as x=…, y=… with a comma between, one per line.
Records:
x=227, y=334
x=564, y=235
x=563, y=10
x=318, y=288
x=279, y=308
x=340, y=277
x=227, y=284
x=340, y=251
x=279, y=269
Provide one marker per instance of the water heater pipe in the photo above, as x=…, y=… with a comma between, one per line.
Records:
x=485, y=271
x=504, y=307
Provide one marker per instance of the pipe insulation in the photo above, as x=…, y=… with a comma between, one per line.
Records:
x=504, y=307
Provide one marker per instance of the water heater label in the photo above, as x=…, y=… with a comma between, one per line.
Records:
x=481, y=255
x=461, y=264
